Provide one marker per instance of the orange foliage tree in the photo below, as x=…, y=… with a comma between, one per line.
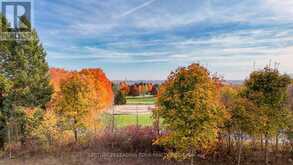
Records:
x=124, y=88
x=100, y=88
x=188, y=103
x=101, y=85
x=95, y=78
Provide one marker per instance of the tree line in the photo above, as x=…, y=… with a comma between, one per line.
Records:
x=138, y=89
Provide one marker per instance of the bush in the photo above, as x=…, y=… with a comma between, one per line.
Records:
x=131, y=140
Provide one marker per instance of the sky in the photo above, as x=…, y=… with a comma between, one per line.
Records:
x=147, y=39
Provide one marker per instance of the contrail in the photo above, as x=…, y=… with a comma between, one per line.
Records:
x=133, y=10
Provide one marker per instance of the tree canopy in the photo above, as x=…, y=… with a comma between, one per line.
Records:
x=189, y=105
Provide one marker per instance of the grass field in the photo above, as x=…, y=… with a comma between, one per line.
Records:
x=124, y=120
x=139, y=100
x=127, y=120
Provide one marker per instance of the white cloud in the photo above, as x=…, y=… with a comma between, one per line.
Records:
x=150, y=31
x=285, y=57
x=283, y=8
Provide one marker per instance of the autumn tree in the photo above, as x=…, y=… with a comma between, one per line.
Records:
x=189, y=105
x=124, y=88
x=73, y=104
x=140, y=89
x=149, y=88
x=102, y=86
x=134, y=90
x=155, y=89
x=47, y=130
x=57, y=76
x=145, y=89
x=95, y=77
x=242, y=121
x=101, y=91
x=228, y=96
x=289, y=132
x=290, y=97
x=267, y=90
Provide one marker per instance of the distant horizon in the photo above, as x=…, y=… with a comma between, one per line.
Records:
x=127, y=79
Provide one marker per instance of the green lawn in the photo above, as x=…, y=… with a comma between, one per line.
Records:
x=140, y=100
x=127, y=120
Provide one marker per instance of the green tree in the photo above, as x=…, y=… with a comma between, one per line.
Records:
x=73, y=104
x=115, y=88
x=289, y=132
x=5, y=86
x=242, y=121
x=267, y=90
x=120, y=98
x=24, y=64
x=189, y=106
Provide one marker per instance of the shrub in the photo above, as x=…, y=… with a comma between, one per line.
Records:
x=131, y=139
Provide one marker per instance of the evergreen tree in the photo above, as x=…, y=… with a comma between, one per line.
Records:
x=119, y=98
x=24, y=64
x=4, y=89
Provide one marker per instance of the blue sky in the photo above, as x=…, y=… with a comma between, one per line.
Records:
x=147, y=39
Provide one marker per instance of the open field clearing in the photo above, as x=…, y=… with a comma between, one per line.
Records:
x=124, y=120
x=126, y=115
x=140, y=100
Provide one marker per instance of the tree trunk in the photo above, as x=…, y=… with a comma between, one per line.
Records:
x=191, y=161
x=239, y=149
x=277, y=143
x=75, y=135
x=229, y=141
x=2, y=144
x=277, y=148
x=266, y=150
x=192, y=157
x=158, y=124
x=261, y=142
x=9, y=141
x=75, y=131
x=23, y=134
x=253, y=143
x=113, y=119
